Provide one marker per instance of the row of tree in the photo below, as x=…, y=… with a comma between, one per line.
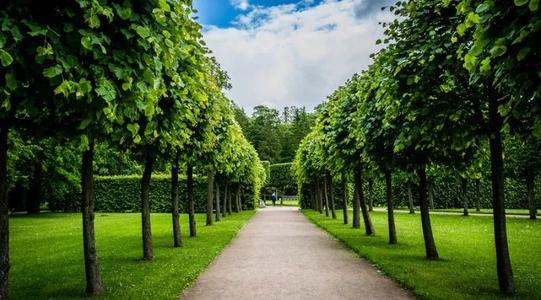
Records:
x=453, y=79
x=134, y=74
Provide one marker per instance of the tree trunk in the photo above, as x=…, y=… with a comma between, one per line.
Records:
x=430, y=245
x=224, y=202
x=370, y=194
x=505, y=272
x=326, y=195
x=35, y=189
x=228, y=196
x=237, y=199
x=390, y=211
x=217, y=197
x=331, y=191
x=464, y=188
x=177, y=239
x=369, y=228
x=4, y=217
x=345, y=200
x=410, y=199
x=233, y=198
x=318, y=197
x=191, y=207
x=145, y=205
x=210, y=197
x=531, y=197
x=356, y=206
x=430, y=194
x=94, y=284
x=478, y=195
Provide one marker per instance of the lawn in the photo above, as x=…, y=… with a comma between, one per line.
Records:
x=47, y=262
x=467, y=269
x=483, y=211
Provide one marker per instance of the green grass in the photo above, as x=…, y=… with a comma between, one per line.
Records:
x=484, y=211
x=47, y=260
x=467, y=269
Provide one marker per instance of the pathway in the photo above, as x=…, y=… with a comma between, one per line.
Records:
x=279, y=254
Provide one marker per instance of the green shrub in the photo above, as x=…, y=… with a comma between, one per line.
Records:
x=122, y=194
x=282, y=177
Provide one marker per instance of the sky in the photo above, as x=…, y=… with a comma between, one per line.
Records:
x=290, y=52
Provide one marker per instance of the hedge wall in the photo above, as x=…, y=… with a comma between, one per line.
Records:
x=446, y=191
x=122, y=194
x=282, y=177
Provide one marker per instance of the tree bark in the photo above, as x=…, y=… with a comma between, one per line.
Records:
x=94, y=284
x=228, y=196
x=4, y=217
x=318, y=197
x=356, y=223
x=233, y=198
x=390, y=210
x=430, y=194
x=370, y=194
x=35, y=190
x=430, y=244
x=531, y=197
x=191, y=207
x=224, y=202
x=331, y=191
x=237, y=199
x=177, y=238
x=326, y=195
x=369, y=227
x=145, y=205
x=345, y=200
x=464, y=188
x=217, y=197
x=410, y=199
x=210, y=197
x=478, y=195
x=505, y=272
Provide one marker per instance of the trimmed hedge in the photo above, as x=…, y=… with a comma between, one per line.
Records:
x=446, y=191
x=122, y=194
x=282, y=177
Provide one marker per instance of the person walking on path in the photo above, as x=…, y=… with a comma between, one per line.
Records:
x=273, y=198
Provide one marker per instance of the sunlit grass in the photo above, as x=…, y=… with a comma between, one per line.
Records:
x=47, y=260
x=467, y=269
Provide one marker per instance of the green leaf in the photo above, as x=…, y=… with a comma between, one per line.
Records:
x=53, y=71
x=534, y=5
x=521, y=2
x=84, y=124
x=106, y=90
x=498, y=51
x=86, y=42
x=124, y=12
x=11, y=81
x=5, y=58
x=522, y=53
x=94, y=21
x=142, y=31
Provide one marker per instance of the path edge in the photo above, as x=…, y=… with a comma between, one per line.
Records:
x=361, y=256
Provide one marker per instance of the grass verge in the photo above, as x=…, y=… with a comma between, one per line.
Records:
x=467, y=269
x=47, y=258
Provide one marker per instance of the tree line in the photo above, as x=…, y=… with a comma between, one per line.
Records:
x=455, y=85
x=133, y=75
x=275, y=135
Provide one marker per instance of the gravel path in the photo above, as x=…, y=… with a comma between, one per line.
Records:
x=279, y=254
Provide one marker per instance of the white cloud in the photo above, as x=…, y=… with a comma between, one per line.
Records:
x=240, y=4
x=288, y=55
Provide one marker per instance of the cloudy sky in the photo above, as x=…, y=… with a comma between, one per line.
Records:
x=290, y=52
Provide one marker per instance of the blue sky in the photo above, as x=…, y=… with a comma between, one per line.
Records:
x=290, y=52
x=222, y=13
